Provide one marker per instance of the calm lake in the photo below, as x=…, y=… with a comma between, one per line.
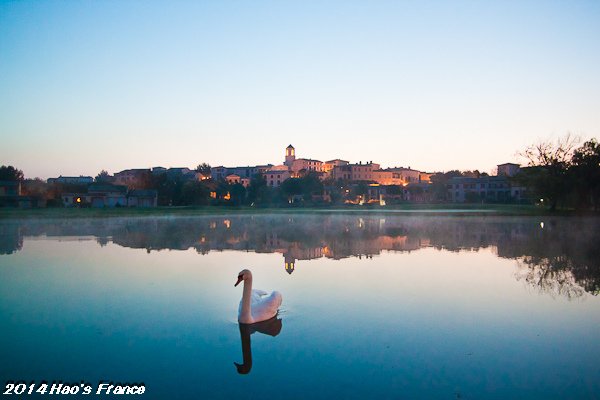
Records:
x=373, y=306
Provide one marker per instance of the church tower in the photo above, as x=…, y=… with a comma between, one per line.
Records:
x=290, y=156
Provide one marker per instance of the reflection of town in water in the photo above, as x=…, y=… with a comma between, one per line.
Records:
x=557, y=255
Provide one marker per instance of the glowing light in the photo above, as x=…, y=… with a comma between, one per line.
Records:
x=542, y=225
x=78, y=199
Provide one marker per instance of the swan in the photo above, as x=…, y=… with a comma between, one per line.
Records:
x=256, y=305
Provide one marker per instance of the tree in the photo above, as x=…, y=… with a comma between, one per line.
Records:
x=547, y=175
x=204, y=169
x=585, y=172
x=35, y=188
x=103, y=177
x=291, y=187
x=194, y=193
x=237, y=191
x=305, y=186
x=258, y=191
x=10, y=173
x=439, y=184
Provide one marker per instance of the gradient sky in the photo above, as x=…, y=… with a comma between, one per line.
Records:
x=86, y=86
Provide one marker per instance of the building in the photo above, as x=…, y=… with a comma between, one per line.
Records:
x=396, y=176
x=10, y=196
x=249, y=172
x=492, y=189
x=304, y=165
x=290, y=156
x=233, y=179
x=10, y=188
x=177, y=172
x=495, y=189
x=425, y=177
x=142, y=198
x=72, y=180
x=355, y=172
x=107, y=195
x=508, y=169
x=328, y=166
x=158, y=170
x=132, y=177
x=296, y=166
x=276, y=175
x=98, y=195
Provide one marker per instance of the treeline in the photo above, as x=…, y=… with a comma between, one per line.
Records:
x=562, y=175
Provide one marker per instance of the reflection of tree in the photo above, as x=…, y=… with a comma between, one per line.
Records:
x=564, y=261
x=563, y=251
x=548, y=278
x=11, y=239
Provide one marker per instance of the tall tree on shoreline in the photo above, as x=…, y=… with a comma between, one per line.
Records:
x=585, y=173
x=548, y=167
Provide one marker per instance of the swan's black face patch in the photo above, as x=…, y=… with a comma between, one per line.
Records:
x=240, y=278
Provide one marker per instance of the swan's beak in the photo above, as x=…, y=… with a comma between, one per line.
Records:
x=240, y=278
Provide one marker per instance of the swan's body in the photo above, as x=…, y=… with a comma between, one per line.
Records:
x=256, y=305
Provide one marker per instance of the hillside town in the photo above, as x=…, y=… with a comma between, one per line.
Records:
x=295, y=182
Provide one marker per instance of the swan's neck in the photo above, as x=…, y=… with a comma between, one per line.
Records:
x=246, y=315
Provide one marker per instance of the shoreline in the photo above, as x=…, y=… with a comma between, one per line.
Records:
x=407, y=210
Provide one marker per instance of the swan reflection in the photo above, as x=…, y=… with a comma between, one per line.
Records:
x=270, y=327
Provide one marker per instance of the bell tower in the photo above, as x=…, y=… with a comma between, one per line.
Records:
x=290, y=156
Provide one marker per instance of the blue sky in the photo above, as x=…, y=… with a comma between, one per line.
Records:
x=86, y=86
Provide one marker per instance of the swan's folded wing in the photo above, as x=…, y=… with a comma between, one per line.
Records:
x=266, y=307
x=259, y=292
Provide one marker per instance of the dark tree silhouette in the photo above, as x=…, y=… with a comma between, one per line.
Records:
x=547, y=175
x=10, y=173
x=203, y=168
x=103, y=177
x=585, y=172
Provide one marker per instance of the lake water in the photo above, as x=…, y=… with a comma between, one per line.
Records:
x=374, y=306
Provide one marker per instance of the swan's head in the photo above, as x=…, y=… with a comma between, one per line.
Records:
x=243, y=275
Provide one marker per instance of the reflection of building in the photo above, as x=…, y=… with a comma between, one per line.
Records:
x=290, y=263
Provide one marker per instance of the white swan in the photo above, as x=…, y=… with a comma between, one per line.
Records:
x=256, y=305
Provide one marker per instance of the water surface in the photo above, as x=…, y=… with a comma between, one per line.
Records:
x=373, y=306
